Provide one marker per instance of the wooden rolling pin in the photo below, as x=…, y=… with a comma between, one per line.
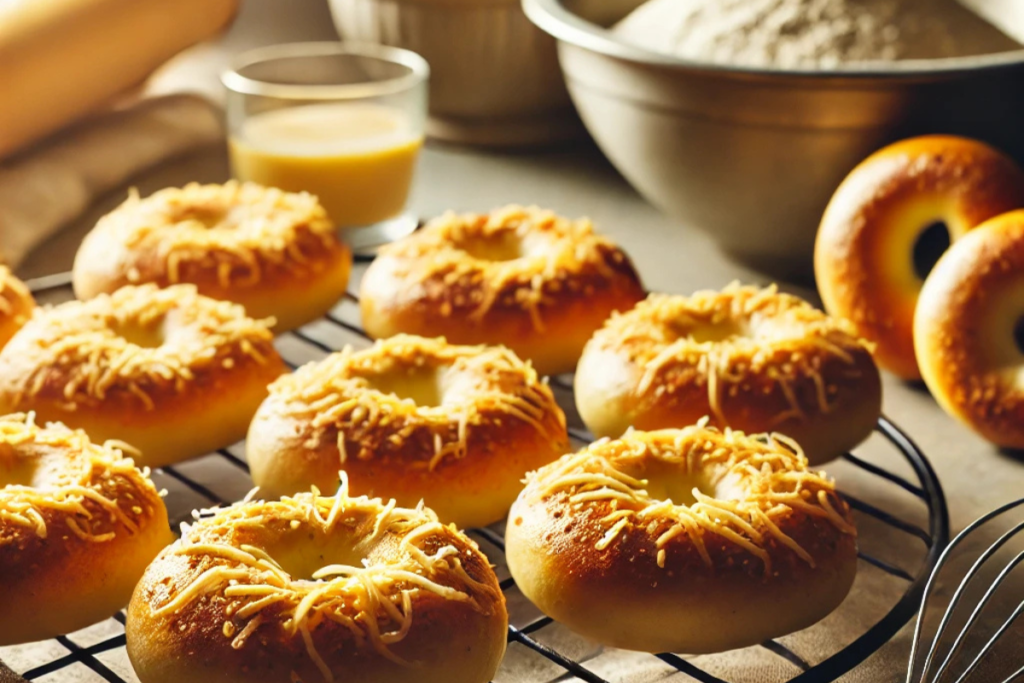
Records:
x=60, y=59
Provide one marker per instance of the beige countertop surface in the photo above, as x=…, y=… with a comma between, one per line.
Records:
x=577, y=181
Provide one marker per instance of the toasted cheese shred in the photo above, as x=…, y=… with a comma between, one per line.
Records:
x=340, y=398
x=610, y=535
x=747, y=489
x=374, y=600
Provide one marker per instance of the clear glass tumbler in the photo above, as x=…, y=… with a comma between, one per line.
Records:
x=341, y=121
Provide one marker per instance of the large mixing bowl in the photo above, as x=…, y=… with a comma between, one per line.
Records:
x=751, y=156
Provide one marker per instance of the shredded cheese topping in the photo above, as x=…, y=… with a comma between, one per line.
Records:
x=722, y=339
x=237, y=231
x=480, y=387
x=558, y=257
x=408, y=556
x=758, y=483
x=92, y=491
x=77, y=353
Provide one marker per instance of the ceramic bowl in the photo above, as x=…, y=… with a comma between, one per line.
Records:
x=752, y=156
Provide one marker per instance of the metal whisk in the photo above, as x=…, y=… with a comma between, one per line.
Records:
x=945, y=668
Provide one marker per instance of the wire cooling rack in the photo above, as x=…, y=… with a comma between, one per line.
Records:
x=890, y=581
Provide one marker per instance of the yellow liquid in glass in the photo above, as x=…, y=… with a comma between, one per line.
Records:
x=357, y=158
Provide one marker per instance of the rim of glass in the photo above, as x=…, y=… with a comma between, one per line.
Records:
x=233, y=80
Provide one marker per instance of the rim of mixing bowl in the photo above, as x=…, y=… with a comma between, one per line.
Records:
x=418, y=71
x=552, y=17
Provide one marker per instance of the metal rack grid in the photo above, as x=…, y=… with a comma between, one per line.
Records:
x=316, y=340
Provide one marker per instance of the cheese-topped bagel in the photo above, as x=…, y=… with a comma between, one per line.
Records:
x=413, y=419
x=78, y=525
x=274, y=252
x=521, y=277
x=682, y=540
x=752, y=359
x=313, y=588
x=171, y=372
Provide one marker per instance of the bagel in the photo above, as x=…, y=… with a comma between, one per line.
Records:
x=79, y=523
x=411, y=419
x=313, y=588
x=969, y=330
x=275, y=253
x=684, y=540
x=171, y=372
x=753, y=359
x=520, y=277
x=888, y=223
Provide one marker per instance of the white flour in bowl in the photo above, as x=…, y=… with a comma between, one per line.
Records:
x=810, y=33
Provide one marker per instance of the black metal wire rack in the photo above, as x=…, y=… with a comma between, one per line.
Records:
x=97, y=654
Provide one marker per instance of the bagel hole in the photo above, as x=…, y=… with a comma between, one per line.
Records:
x=504, y=246
x=931, y=244
x=304, y=551
x=209, y=216
x=1018, y=334
x=15, y=470
x=714, y=332
x=144, y=336
x=36, y=469
x=666, y=482
x=421, y=385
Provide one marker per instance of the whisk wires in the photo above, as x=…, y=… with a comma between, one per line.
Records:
x=956, y=600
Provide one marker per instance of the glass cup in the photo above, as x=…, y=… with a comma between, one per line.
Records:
x=341, y=121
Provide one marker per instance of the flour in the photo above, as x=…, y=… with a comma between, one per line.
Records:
x=810, y=33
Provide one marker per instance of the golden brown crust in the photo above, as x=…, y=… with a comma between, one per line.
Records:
x=758, y=526
x=144, y=359
x=78, y=524
x=967, y=330
x=752, y=359
x=457, y=278
x=863, y=255
x=494, y=420
x=16, y=304
x=274, y=252
x=410, y=596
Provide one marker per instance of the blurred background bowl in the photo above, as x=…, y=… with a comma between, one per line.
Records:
x=752, y=156
x=494, y=75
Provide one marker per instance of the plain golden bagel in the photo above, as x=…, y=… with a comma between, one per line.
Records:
x=79, y=523
x=412, y=419
x=315, y=588
x=969, y=330
x=752, y=359
x=171, y=372
x=16, y=305
x=274, y=252
x=683, y=540
x=521, y=277
x=874, y=248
